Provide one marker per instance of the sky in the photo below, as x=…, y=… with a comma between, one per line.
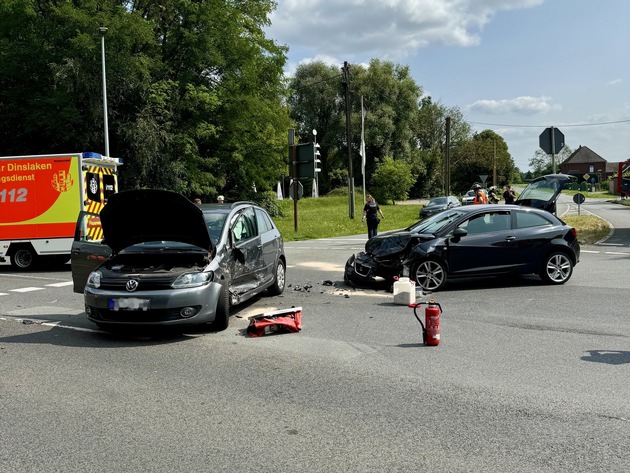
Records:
x=512, y=66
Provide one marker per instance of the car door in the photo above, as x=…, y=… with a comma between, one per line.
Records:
x=487, y=246
x=88, y=249
x=247, y=257
x=270, y=241
x=532, y=234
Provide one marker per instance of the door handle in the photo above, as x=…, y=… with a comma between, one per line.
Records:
x=511, y=238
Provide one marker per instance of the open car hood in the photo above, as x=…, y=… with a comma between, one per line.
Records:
x=542, y=192
x=142, y=215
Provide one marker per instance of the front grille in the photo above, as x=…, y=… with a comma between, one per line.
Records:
x=144, y=283
x=361, y=270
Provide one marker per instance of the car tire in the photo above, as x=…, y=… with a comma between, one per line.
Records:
x=222, y=318
x=430, y=274
x=23, y=259
x=280, y=279
x=557, y=268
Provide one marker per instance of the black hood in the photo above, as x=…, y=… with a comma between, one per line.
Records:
x=143, y=215
x=388, y=243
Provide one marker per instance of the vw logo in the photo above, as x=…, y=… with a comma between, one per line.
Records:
x=131, y=285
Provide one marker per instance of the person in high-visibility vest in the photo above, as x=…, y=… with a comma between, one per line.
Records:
x=480, y=196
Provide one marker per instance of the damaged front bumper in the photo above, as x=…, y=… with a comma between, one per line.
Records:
x=360, y=269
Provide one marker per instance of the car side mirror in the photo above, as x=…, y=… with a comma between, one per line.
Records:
x=458, y=233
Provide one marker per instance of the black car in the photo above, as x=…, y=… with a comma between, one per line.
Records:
x=438, y=204
x=153, y=258
x=525, y=238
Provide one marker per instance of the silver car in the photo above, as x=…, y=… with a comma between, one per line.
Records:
x=154, y=258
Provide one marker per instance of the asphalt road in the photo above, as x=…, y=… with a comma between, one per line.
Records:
x=528, y=378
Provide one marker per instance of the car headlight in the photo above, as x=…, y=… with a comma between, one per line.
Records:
x=94, y=279
x=193, y=280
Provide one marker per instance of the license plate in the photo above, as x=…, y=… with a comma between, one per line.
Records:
x=128, y=303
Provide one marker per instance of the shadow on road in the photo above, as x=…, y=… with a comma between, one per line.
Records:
x=609, y=357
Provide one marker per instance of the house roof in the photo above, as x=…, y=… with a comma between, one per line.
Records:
x=584, y=155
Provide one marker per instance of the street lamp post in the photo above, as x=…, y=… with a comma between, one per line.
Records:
x=103, y=30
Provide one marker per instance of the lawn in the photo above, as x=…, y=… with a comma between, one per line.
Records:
x=328, y=216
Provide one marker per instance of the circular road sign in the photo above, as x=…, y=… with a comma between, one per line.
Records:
x=579, y=198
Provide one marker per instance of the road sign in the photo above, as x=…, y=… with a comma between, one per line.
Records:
x=296, y=190
x=551, y=140
x=579, y=198
x=586, y=176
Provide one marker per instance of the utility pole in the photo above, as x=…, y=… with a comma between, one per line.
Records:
x=346, y=83
x=447, y=159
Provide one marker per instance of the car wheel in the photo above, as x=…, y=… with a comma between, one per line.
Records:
x=280, y=279
x=557, y=268
x=23, y=259
x=222, y=319
x=430, y=274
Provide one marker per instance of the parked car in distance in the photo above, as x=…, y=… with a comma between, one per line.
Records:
x=476, y=240
x=153, y=258
x=438, y=204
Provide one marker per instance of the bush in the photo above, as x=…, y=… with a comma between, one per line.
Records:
x=269, y=201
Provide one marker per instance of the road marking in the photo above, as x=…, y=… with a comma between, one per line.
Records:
x=27, y=289
x=50, y=324
x=60, y=284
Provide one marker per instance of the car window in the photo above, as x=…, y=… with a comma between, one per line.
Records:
x=487, y=223
x=215, y=223
x=438, y=201
x=530, y=219
x=244, y=227
x=263, y=221
x=540, y=190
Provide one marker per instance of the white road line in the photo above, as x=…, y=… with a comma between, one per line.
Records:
x=4, y=293
x=60, y=284
x=27, y=289
x=52, y=324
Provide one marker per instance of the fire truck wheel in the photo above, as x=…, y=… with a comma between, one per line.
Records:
x=23, y=259
x=222, y=318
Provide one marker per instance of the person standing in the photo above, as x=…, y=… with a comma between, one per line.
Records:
x=371, y=210
x=509, y=195
x=220, y=199
x=480, y=196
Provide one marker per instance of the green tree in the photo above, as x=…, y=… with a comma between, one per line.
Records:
x=541, y=164
x=431, y=138
x=391, y=180
x=196, y=97
x=482, y=155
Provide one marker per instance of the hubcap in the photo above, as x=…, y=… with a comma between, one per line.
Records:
x=430, y=275
x=559, y=268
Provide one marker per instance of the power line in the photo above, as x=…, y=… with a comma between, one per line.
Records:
x=542, y=126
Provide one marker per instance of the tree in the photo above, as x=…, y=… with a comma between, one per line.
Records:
x=391, y=180
x=481, y=155
x=196, y=98
x=431, y=138
x=540, y=164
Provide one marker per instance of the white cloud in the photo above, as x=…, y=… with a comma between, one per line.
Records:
x=615, y=82
x=520, y=105
x=390, y=29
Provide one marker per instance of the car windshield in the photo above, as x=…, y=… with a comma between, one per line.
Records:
x=470, y=193
x=436, y=223
x=437, y=201
x=215, y=222
x=540, y=190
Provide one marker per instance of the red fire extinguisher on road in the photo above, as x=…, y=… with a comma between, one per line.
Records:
x=431, y=325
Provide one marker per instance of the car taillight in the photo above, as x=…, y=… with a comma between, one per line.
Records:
x=574, y=231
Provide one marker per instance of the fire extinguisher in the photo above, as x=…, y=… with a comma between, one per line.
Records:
x=431, y=325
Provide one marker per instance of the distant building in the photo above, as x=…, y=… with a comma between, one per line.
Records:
x=586, y=161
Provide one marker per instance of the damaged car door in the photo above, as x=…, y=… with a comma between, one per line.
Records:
x=246, y=263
